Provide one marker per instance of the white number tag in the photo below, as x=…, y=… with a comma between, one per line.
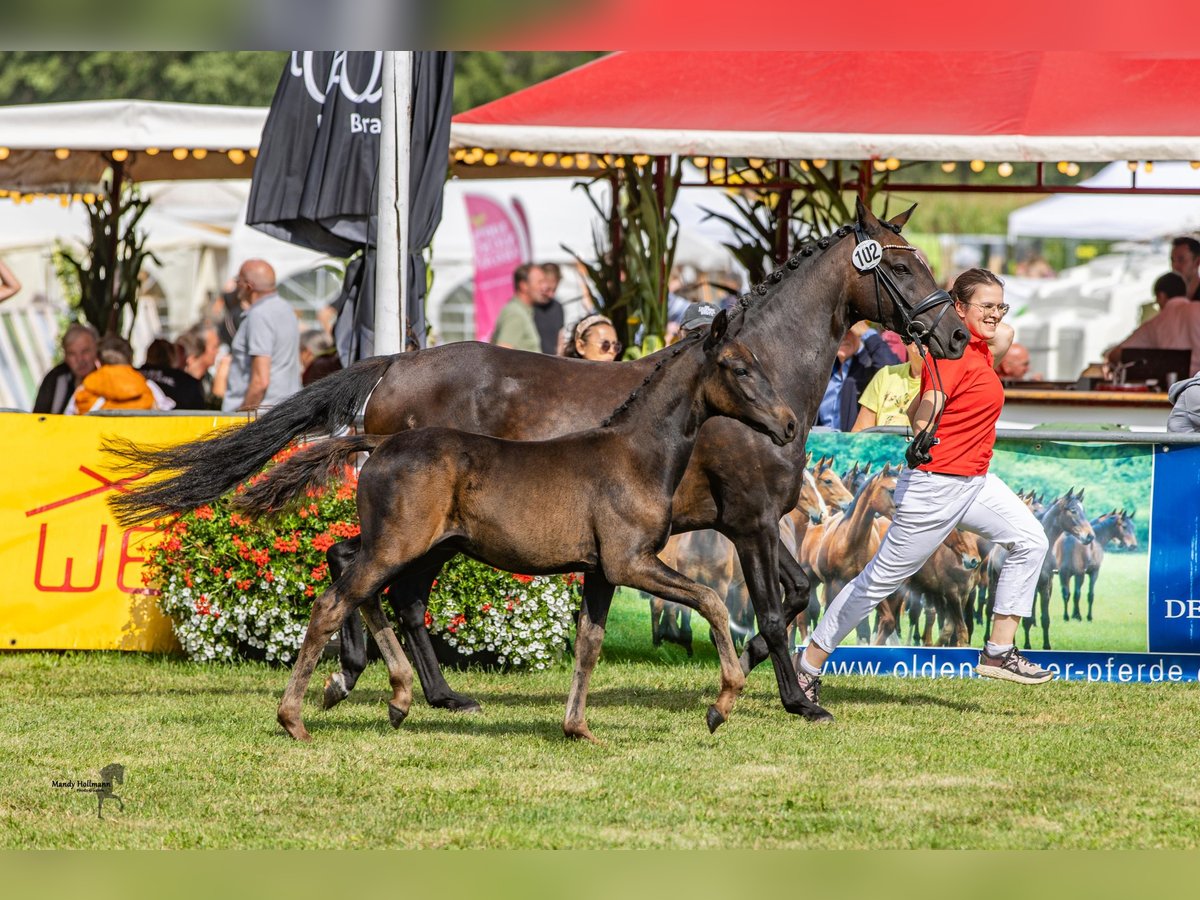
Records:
x=867, y=255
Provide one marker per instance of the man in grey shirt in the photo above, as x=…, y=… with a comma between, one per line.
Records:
x=265, y=366
x=1185, y=417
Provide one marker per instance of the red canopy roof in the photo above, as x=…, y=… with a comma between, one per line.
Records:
x=1014, y=105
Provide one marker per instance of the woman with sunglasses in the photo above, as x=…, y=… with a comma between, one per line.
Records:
x=949, y=486
x=593, y=337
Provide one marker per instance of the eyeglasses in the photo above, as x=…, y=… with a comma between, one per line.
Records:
x=606, y=345
x=991, y=309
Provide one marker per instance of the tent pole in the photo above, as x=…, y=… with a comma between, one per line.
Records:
x=783, y=210
x=113, y=326
x=615, y=241
x=391, y=259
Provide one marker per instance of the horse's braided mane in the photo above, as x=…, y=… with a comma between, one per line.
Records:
x=748, y=300
x=680, y=346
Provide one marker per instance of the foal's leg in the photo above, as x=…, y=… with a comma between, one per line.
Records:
x=400, y=673
x=649, y=573
x=589, y=635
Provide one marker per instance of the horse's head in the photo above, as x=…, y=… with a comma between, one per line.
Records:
x=1125, y=534
x=811, y=503
x=966, y=546
x=113, y=773
x=1066, y=513
x=737, y=385
x=833, y=489
x=856, y=477
x=879, y=491
x=889, y=283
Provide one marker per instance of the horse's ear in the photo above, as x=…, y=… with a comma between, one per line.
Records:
x=716, y=333
x=808, y=458
x=1131, y=513
x=867, y=467
x=1079, y=496
x=887, y=469
x=863, y=214
x=902, y=219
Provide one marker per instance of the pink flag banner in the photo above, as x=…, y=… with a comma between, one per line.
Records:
x=499, y=246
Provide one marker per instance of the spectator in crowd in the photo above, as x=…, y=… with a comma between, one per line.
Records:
x=1014, y=365
x=160, y=368
x=515, y=327
x=9, y=285
x=196, y=351
x=1034, y=265
x=318, y=356
x=79, y=346
x=117, y=384
x=593, y=337
x=698, y=316
x=890, y=393
x=265, y=356
x=547, y=311
x=860, y=355
x=1185, y=262
x=1176, y=327
x=1185, y=414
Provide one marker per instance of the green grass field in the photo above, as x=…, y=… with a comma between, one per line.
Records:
x=909, y=763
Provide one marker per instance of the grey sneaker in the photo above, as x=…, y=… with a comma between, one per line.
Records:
x=1011, y=666
x=810, y=684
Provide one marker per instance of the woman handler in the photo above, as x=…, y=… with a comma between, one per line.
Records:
x=949, y=486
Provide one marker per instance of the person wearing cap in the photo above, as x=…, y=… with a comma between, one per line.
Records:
x=593, y=337
x=696, y=316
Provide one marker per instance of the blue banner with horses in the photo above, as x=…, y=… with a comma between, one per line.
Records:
x=1118, y=599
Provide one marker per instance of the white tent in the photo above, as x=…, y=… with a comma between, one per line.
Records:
x=1116, y=216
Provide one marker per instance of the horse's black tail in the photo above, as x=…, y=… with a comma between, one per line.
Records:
x=208, y=467
x=311, y=467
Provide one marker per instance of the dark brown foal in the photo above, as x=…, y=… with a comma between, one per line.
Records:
x=427, y=494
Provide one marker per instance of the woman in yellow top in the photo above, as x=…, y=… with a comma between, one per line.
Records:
x=889, y=394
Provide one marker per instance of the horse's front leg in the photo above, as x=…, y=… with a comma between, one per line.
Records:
x=797, y=590
x=1091, y=591
x=759, y=555
x=649, y=573
x=589, y=635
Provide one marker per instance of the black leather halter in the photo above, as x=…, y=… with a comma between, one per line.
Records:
x=917, y=331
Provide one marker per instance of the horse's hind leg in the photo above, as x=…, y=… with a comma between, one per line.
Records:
x=400, y=672
x=1078, y=591
x=352, y=651
x=409, y=598
x=589, y=635
x=649, y=573
x=1091, y=591
x=328, y=613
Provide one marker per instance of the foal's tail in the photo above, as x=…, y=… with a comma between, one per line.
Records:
x=208, y=467
x=311, y=467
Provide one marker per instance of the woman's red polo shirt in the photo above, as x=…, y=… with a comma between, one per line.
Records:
x=974, y=399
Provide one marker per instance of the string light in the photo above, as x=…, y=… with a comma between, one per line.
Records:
x=253, y=151
x=641, y=159
x=516, y=156
x=977, y=166
x=583, y=160
x=892, y=164
x=491, y=158
x=89, y=198
x=531, y=160
x=699, y=161
x=1004, y=169
x=199, y=153
x=949, y=167
x=567, y=161
x=152, y=151
x=120, y=155
x=820, y=163
x=804, y=165
x=549, y=159
x=4, y=151
x=1062, y=167
x=237, y=157
x=459, y=154
x=1195, y=163
x=180, y=153
x=755, y=163
x=1149, y=167
x=62, y=153
x=880, y=165
x=718, y=163
x=1073, y=169
x=1132, y=165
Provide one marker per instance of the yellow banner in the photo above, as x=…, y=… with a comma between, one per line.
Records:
x=72, y=576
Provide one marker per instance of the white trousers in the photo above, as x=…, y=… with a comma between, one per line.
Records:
x=928, y=508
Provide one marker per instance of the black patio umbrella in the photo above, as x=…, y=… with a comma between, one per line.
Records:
x=315, y=179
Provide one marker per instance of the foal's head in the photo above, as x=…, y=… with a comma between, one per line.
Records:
x=736, y=385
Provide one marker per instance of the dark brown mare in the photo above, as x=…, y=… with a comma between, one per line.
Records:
x=426, y=495
x=794, y=322
x=1076, y=559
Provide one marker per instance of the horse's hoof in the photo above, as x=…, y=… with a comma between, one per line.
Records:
x=715, y=719
x=579, y=734
x=744, y=662
x=817, y=714
x=335, y=690
x=396, y=715
x=294, y=728
x=457, y=703
x=688, y=648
